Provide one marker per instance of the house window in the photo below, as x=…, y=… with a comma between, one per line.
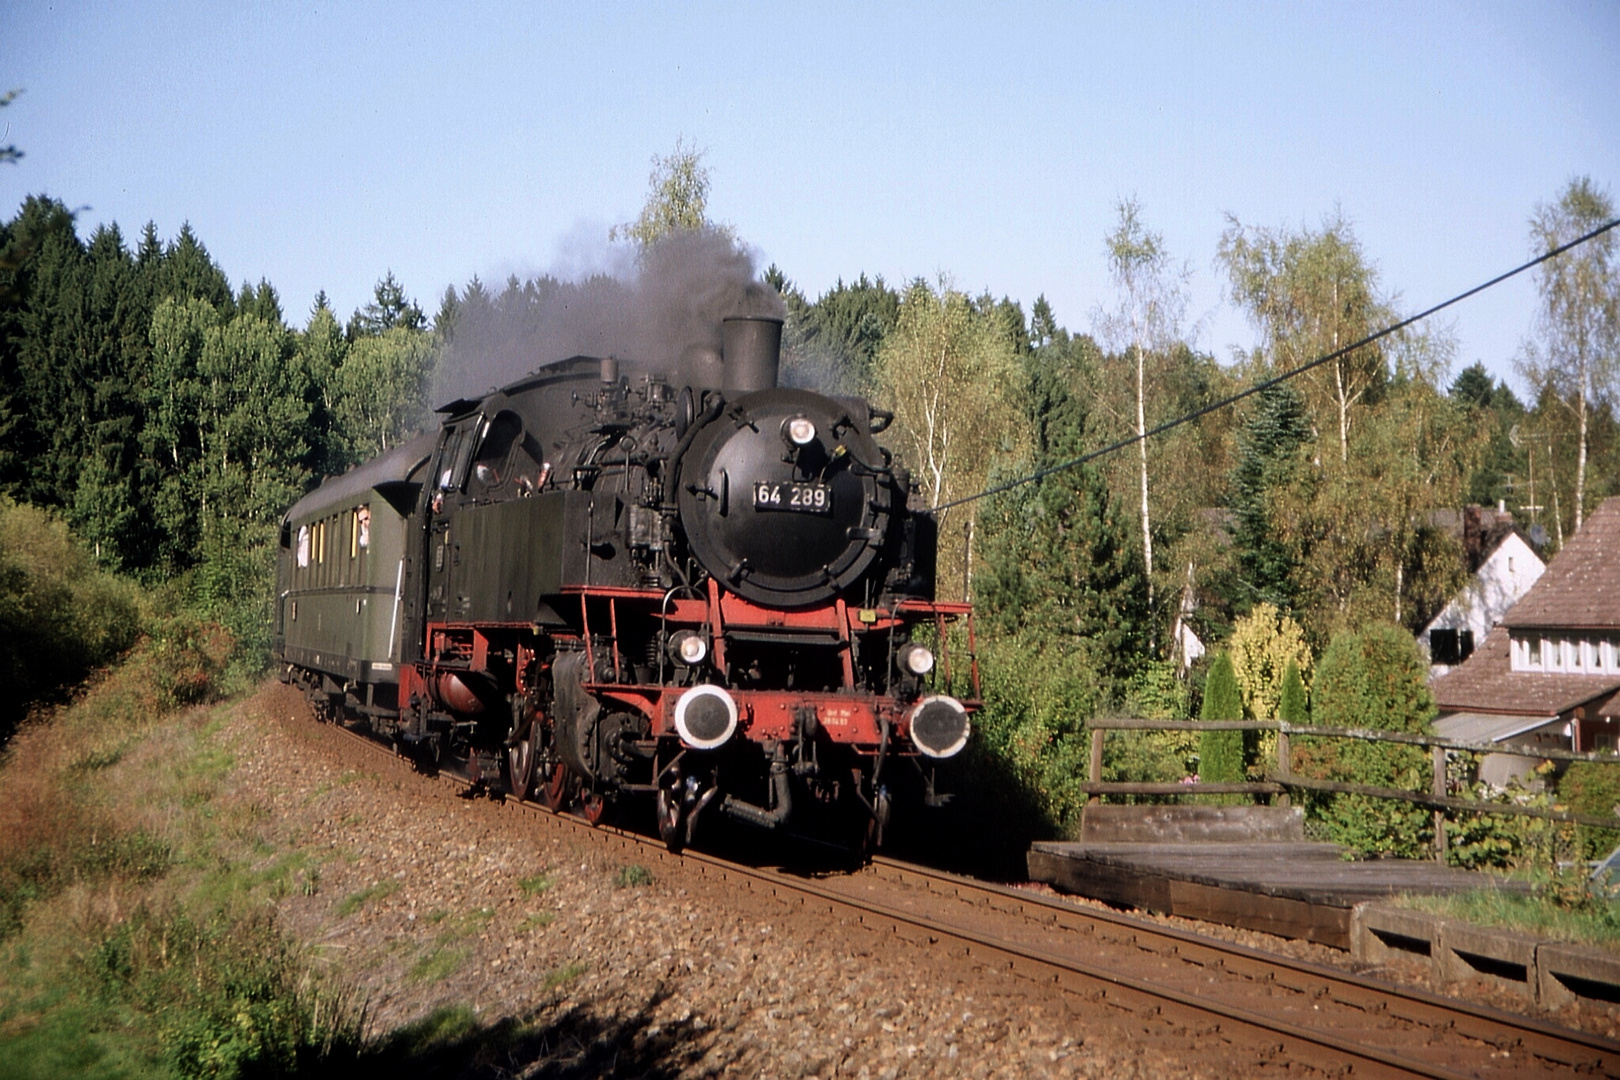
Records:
x=1533, y=654
x=1510, y=564
x=1601, y=735
x=1450, y=646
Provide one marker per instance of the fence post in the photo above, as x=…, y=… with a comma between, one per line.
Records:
x=1438, y=789
x=1285, y=764
x=1096, y=763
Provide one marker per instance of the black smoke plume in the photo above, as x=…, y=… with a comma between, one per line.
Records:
x=661, y=312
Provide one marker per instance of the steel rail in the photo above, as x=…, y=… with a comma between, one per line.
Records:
x=1556, y=1050
x=1548, y=1042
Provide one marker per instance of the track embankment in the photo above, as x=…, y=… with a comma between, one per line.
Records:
x=591, y=952
x=428, y=901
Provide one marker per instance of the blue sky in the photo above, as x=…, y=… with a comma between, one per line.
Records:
x=319, y=146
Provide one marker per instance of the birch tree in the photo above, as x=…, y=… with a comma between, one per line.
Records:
x=1576, y=351
x=1144, y=326
x=1311, y=292
x=677, y=198
x=952, y=379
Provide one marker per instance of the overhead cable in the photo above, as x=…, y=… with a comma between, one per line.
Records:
x=1275, y=380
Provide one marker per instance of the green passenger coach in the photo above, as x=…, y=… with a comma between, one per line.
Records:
x=340, y=569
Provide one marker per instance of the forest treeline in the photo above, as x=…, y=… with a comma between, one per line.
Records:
x=170, y=418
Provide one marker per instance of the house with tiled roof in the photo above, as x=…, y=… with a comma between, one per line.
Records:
x=1549, y=674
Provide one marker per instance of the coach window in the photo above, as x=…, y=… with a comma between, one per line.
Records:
x=362, y=525
x=322, y=575
x=303, y=547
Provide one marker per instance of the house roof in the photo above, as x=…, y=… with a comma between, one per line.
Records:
x=1480, y=530
x=1486, y=682
x=1495, y=540
x=1580, y=589
x=1488, y=727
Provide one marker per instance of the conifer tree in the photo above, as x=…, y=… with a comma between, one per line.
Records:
x=1270, y=463
x=1293, y=705
x=1220, y=753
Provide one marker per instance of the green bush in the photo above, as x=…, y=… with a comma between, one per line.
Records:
x=222, y=998
x=234, y=585
x=1030, y=750
x=1375, y=678
x=633, y=876
x=187, y=657
x=60, y=616
x=1594, y=789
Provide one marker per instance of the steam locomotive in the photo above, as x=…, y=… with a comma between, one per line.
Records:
x=601, y=586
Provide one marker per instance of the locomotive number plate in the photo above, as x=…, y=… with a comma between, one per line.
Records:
x=800, y=498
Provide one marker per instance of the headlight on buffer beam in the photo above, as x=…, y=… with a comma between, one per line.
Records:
x=939, y=726
x=705, y=717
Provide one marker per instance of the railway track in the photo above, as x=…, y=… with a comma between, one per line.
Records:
x=1232, y=1003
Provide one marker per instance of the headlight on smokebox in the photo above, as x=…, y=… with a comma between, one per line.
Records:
x=800, y=431
x=939, y=726
x=917, y=659
x=705, y=717
x=688, y=647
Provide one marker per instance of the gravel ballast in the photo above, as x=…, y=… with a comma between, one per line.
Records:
x=574, y=963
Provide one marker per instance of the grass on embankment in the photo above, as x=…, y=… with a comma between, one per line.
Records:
x=1593, y=921
x=137, y=934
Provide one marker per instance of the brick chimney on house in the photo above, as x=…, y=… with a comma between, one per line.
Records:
x=1473, y=537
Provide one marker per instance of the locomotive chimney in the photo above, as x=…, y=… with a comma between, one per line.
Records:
x=610, y=369
x=752, y=348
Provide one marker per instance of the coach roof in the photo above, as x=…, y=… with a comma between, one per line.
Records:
x=392, y=469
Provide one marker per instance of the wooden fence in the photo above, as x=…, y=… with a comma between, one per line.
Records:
x=1282, y=779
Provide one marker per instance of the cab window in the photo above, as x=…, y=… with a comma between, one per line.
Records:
x=491, y=465
x=457, y=453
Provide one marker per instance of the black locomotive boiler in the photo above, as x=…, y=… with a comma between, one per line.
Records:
x=601, y=582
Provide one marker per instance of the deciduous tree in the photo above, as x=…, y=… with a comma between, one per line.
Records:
x=1311, y=293
x=377, y=400
x=677, y=198
x=1264, y=645
x=953, y=380
x=1576, y=351
x=1143, y=328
